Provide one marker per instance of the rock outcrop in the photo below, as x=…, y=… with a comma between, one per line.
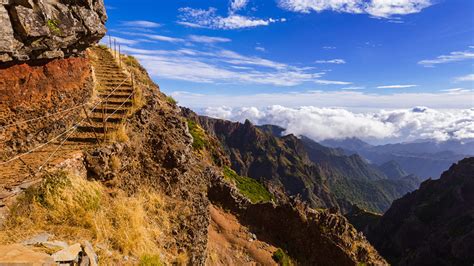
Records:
x=46, y=29
x=311, y=237
x=433, y=225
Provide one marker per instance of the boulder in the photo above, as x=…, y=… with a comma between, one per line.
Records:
x=48, y=29
x=69, y=254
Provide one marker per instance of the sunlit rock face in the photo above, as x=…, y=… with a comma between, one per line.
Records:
x=46, y=29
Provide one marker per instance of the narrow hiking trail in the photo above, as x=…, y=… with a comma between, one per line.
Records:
x=102, y=118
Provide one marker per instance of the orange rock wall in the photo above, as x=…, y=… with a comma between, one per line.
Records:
x=31, y=91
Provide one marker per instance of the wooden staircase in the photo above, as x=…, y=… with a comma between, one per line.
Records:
x=109, y=111
x=115, y=97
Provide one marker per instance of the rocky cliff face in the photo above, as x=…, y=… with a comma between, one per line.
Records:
x=46, y=29
x=433, y=225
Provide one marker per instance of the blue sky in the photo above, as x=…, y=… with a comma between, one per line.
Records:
x=196, y=50
x=380, y=70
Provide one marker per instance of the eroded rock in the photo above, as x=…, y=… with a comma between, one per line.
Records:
x=47, y=29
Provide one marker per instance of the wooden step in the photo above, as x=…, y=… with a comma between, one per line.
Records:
x=111, y=110
x=96, y=129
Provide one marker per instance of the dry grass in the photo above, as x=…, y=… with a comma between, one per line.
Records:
x=120, y=135
x=74, y=209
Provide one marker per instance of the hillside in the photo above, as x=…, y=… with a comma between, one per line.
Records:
x=324, y=177
x=99, y=167
x=433, y=225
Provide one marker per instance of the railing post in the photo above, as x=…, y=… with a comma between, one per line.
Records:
x=120, y=57
x=110, y=42
x=115, y=47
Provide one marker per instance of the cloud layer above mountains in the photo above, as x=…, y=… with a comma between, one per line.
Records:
x=336, y=123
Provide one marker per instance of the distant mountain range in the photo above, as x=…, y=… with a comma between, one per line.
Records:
x=426, y=159
x=324, y=177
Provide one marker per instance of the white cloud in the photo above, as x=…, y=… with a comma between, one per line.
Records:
x=332, y=61
x=388, y=126
x=396, y=86
x=329, y=47
x=451, y=57
x=375, y=8
x=469, y=77
x=236, y=5
x=208, y=39
x=141, y=24
x=209, y=19
x=260, y=48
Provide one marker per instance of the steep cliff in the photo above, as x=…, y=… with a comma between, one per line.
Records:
x=433, y=225
x=46, y=29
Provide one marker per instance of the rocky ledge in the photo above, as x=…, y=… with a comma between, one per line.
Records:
x=47, y=29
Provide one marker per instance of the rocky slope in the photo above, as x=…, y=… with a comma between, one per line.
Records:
x=46, y=29
x=433, y=225
x=311, y=237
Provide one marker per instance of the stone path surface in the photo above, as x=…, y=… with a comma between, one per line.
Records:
x=115, y=97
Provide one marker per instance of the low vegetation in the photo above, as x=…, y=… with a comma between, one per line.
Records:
x=198, y=134
x=250, y=188
x=72, y=208
x=282, y=258
x=171, y=100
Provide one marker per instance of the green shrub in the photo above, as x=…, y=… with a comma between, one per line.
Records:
x=150, y=260
x=282, y=258
x=171, y=100
x=53, y=25
x=199, y=137
x=250, y=188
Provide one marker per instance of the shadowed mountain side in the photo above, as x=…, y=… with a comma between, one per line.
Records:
x=433, y=225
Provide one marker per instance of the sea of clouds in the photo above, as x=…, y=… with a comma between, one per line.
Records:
x=384, y=126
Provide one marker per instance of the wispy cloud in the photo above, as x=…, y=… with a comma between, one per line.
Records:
x=155, y=37
x=207, y=39
x=451, y=57
x=469, y=77
x=352, y=88
x=329, y=47
x=331, y=82
x=260, y=49
x=397, y=86
x=332, y=61
x=141, y=24
x=458, y=91
x=224, y=66
x=209, y=18
x=375, y=8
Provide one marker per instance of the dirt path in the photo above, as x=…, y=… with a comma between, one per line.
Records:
x=231, y=243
